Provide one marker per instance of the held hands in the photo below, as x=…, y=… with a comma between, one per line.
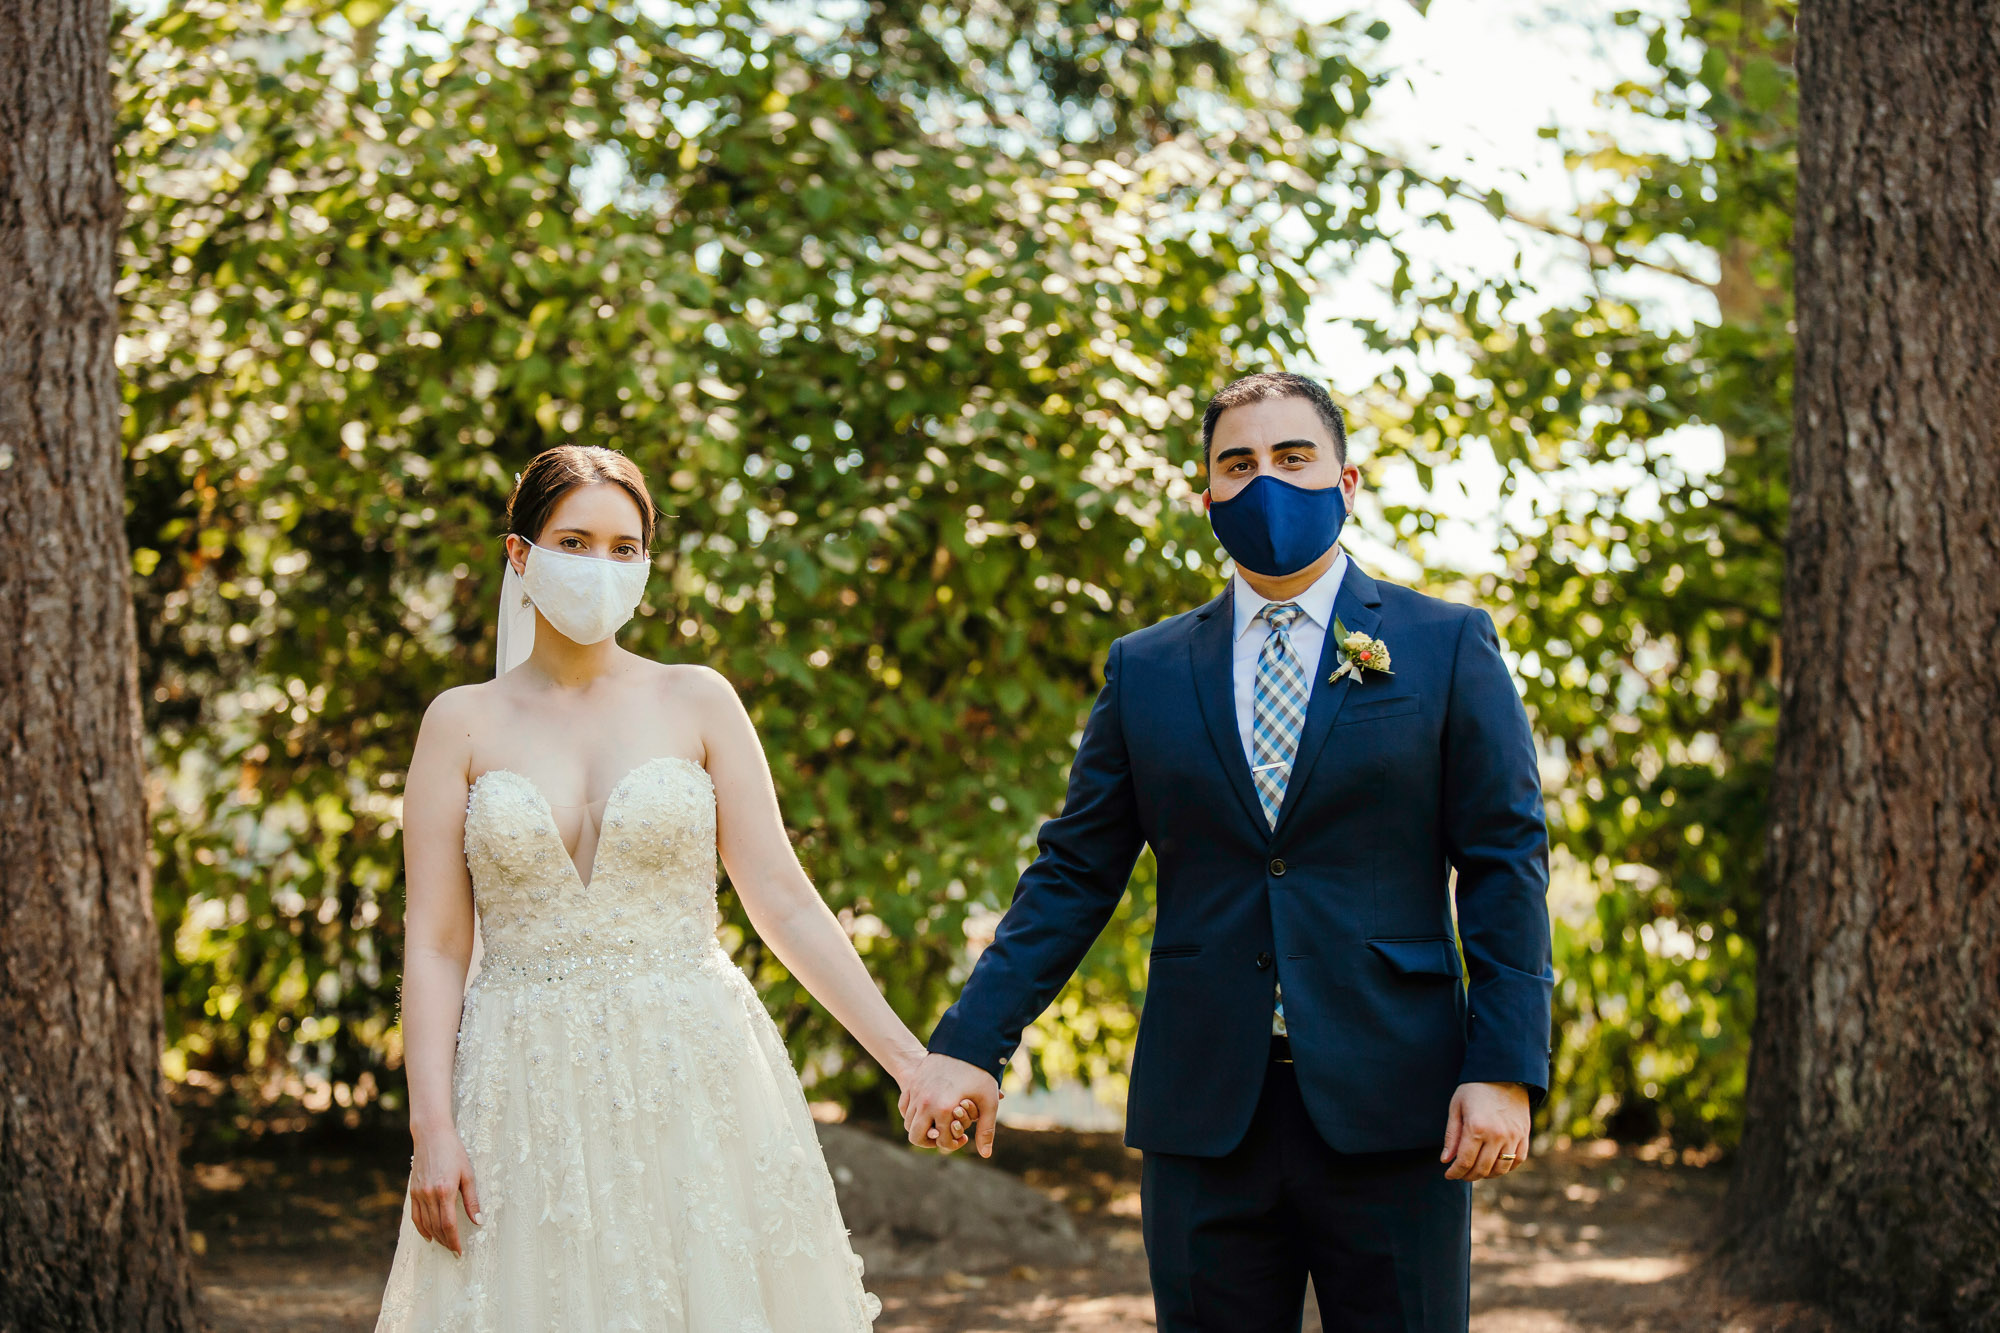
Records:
x=439, y=1173
x=943, y=1097
x=1486, y=1133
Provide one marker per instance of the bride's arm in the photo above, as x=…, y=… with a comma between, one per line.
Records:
x=787, y=911
x=437, y=949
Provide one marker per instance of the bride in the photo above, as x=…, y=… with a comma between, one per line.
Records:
x=608, y=1131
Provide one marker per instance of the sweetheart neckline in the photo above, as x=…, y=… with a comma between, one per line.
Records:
x=548, y=808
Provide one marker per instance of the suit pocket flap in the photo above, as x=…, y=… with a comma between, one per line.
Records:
x=1367, y=710
x=1435, y=955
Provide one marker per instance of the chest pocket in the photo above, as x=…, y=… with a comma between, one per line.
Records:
x=1372, y=708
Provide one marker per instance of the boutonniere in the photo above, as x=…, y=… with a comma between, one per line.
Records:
x=1358, y=653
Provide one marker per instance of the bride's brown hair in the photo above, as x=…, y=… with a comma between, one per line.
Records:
x=554, y=473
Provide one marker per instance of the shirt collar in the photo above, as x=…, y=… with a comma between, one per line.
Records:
x=1316, y=601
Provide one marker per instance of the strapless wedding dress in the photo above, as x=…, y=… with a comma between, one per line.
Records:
x=642, y=1148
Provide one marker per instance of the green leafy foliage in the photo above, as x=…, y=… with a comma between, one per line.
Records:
x=1641, y=600
x=908, y=322
x=907, y=312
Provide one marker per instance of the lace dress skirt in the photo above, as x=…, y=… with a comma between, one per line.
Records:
x=645, y=1160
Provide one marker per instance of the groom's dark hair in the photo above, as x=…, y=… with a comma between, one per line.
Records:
x=1274, y=384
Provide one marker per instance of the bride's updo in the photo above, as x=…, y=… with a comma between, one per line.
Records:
x=556, y=472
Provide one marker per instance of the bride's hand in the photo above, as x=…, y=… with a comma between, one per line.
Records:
x=440, y=1172
x=966, y=1113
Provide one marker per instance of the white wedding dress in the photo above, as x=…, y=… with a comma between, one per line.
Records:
x=642, y=1149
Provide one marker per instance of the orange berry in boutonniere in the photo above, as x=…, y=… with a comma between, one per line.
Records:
x=1358, y=653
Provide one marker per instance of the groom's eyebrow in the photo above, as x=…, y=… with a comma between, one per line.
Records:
x=1245, y=451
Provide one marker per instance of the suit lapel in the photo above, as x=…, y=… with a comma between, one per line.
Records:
x=1210, y=644
x=1354, y=607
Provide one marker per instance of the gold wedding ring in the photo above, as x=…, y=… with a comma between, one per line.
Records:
x=1506, y=1157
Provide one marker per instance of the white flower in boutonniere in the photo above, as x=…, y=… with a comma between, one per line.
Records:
x=1358, y=653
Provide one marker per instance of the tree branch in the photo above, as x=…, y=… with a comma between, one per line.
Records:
x=1602, y=254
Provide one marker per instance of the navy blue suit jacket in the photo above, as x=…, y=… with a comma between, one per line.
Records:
x=1398, y=780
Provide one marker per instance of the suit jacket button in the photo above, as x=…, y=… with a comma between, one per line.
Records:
x=1277, y=865
x=1263, y=960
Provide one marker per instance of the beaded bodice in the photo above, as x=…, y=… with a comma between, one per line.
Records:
x=645, y=1154
x=650, y=901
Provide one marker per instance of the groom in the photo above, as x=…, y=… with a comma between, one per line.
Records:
x=1311, y=756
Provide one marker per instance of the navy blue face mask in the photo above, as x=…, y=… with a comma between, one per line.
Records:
x=1274, y=528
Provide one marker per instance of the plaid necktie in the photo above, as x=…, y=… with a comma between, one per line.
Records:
x=1277, y=716
x=1278, y=709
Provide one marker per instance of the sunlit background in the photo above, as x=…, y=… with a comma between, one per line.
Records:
x=922, y=411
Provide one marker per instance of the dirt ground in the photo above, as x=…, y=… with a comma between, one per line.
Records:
x=296, y=1238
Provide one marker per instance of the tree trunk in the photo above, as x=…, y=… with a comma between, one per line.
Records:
x=1870, y=1167
x=91, y=1230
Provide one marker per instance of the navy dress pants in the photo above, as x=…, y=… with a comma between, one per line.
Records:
x=1230, y=1240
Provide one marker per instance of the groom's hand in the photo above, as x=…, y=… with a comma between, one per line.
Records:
x=944, y=1095
x=1486, y=1133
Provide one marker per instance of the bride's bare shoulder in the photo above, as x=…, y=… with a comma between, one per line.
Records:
x=693, y=682
x=457, y=709
x=460, y=697
x=697, y=699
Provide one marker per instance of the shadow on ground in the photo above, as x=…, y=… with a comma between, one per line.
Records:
x=294, y=1236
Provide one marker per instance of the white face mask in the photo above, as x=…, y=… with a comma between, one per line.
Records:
x=587, y=599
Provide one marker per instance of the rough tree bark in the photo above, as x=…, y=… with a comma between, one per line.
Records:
x=91, y=1230
x=1870, y=1167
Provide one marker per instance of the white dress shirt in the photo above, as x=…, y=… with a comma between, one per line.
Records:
x=1308, y=633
